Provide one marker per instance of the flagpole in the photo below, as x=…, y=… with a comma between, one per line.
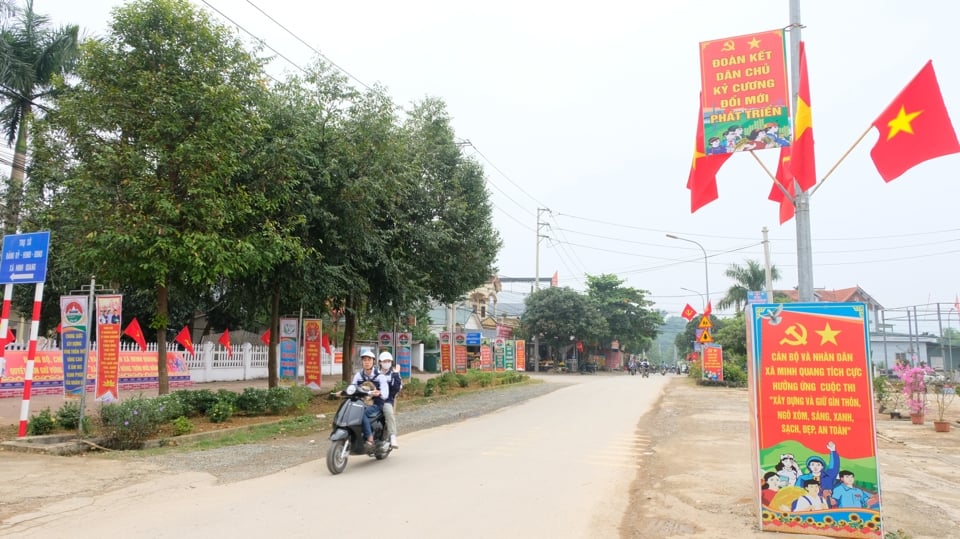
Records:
x=772, y=176
x=801, y=200
x=842, y=157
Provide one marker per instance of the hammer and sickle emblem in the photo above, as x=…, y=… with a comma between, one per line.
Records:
x=728, y=46
x=798, y=338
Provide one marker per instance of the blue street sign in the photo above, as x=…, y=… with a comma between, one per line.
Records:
x=24, y=258
x=473, y=338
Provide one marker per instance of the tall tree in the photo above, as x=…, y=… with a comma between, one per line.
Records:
x=32, y=56
x=630, y=317
x=158, y=127
x=556, y=314
x=745, y=278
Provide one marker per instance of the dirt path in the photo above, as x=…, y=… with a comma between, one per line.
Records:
x=695, y=480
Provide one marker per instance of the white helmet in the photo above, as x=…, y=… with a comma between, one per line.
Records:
x=366, y=352
x=386, y=356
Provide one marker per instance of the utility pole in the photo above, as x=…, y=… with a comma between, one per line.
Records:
x=768, y=272
x=536, y=284
x=801, y=199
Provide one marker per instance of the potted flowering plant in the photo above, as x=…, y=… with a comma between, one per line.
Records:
x=943, y=395
x=914, y=389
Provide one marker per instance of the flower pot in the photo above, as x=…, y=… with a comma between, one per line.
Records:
x=916, y=419
x=941, y=426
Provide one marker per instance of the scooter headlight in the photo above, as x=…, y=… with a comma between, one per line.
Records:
x=351, y=389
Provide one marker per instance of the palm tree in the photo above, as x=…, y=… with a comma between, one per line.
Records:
x=31, y=56
x=751, y=277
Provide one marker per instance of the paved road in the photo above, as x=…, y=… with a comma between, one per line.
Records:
x=556, y=466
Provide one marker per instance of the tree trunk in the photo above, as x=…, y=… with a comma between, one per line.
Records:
x=272, y=376
x=349, y=334
x=162, y=310
x=11, y=218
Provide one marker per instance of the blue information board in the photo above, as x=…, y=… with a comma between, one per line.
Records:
x=24, y=258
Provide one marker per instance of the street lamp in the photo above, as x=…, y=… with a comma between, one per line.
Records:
x=697, y=293
x=706, y=269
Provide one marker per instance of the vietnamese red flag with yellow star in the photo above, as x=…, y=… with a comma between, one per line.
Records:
x=702, y=180
x=784, y=177
x=185, y=340
x=914, y=128
x=802, y=162
x=224, y=340
x=134, y=332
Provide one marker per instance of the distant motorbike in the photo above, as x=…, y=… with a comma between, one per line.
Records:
x=632, y=368
x=645, y=371
x=347, y=437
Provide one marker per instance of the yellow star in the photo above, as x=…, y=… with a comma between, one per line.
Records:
x=697, y=154
x=827, y=334
x=902, y=122
x=754, y=43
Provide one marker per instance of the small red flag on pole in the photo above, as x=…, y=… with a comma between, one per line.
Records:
x=133, y=331
x=184, y=339
x=265, y=338
x=688, y=312
x=225, y=341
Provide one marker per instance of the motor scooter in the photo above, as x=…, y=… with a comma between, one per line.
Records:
x=346, y=437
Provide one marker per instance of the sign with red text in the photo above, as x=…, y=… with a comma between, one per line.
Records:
x=712, y=363
x=109, y=311
x=814, y=427
x=521, y=355
x=312, y=344
x=746, y=99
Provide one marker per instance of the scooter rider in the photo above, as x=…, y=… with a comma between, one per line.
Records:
x=392, y=376
x=369, y=374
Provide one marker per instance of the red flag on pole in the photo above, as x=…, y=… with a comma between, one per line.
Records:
x=60, y=327
x=914, y=128
x=184, y=339
x=265, y=338
x=555, y=280
x=784, y=177
x=708, y=310
x=956, y=302
x=802, y=161
x=702, y=181
x=225, y=341
x=688, y=312
x=325, y=343
x=7, y=339
x=133, y=331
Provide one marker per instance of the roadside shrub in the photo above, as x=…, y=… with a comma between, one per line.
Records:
x=462, y=380
x=130, y=422
x=445, y=380
x=201, y=401
x=510, y=377
x=41, y=423
x=480, y=378
x=431, y=387
x=252, y=401
x=413, y=387
x=221, y=411
x=181, y=426
x=279, y=400
x=68, y=416
x=170, y=406
x=733, y=374
x=225, y=395
x=300, y=396
x=184, y=399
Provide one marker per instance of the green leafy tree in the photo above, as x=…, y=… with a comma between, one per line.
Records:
x=556, y=314
x=158, y=128
x=746, y=278
x=32, y=56
x=629, y=315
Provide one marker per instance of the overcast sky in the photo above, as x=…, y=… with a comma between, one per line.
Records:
x=589, y=111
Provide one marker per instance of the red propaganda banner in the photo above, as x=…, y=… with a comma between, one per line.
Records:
x=486, y=358
x=445, y=354
x=461, y=359
x=521, y=355
x=814, y=429
x=713, y=363
x=746, y=99
x=108, y=347
x=312, y=344
x=136, y=370
x=338, y=357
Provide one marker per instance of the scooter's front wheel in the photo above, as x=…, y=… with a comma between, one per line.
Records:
x=337, y=455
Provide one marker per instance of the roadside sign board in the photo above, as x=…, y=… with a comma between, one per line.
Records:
x=24, y=258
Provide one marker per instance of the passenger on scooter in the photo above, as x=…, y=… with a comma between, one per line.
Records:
x=370, y=374
x=395, y=384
